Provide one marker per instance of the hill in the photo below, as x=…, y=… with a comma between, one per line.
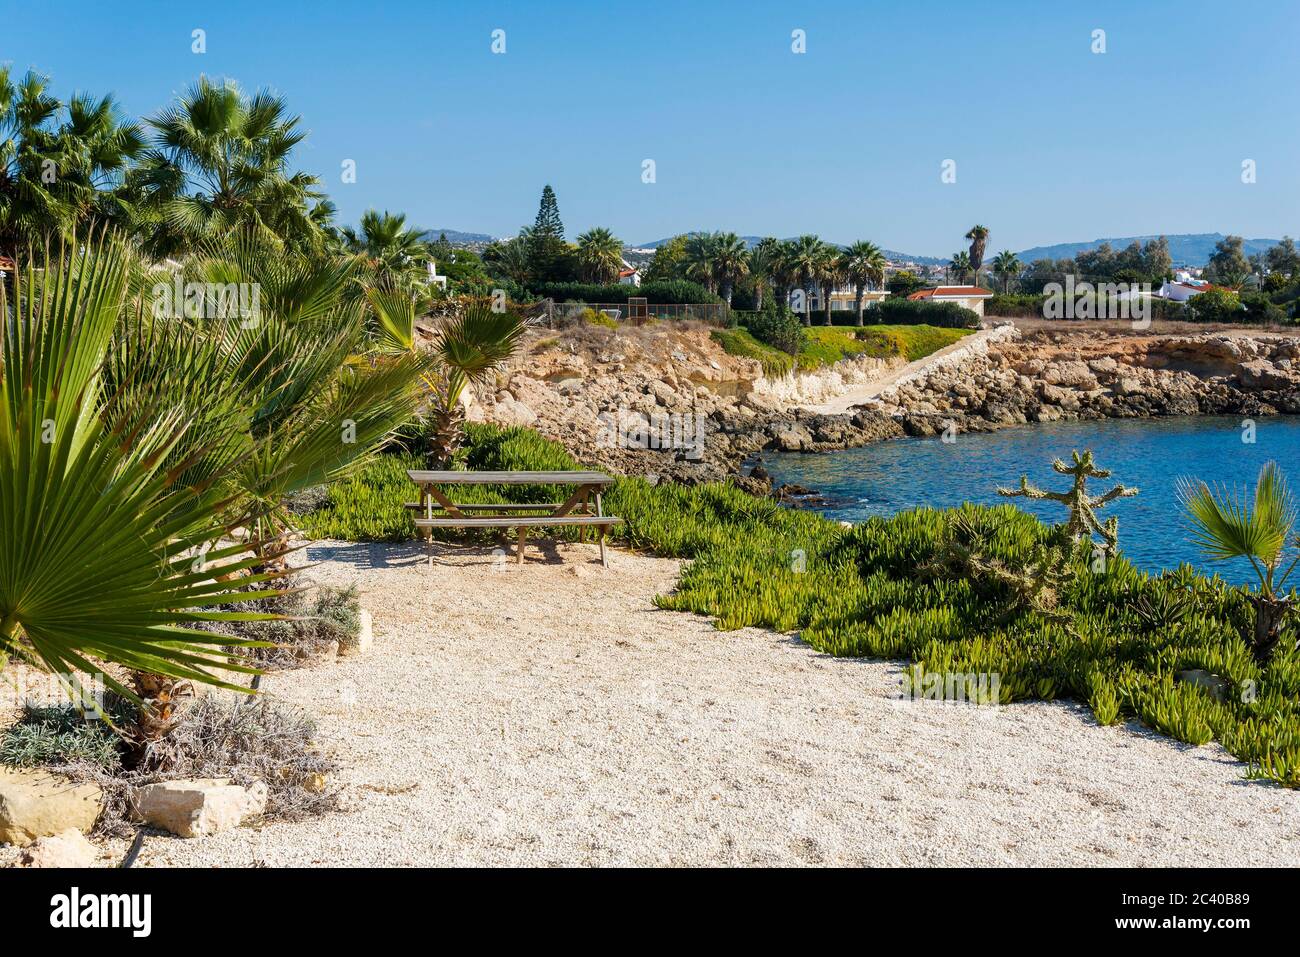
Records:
x=1186, y=249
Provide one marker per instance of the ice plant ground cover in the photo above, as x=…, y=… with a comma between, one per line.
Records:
x=1115, y=639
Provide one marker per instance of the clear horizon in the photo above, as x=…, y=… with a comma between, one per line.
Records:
x=1053, y=143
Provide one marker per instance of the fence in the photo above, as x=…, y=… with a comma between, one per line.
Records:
x=638, y=311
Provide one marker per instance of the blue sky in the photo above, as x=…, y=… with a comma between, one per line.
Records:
x=1052, y=142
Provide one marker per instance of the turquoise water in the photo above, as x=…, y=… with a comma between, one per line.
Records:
x=1152, y=454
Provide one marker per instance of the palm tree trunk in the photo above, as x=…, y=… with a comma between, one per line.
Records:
x=826, y=304
x=446, y=433
x=1269, y=615
x=857, y=304
x=807, y=305
x=758, y=297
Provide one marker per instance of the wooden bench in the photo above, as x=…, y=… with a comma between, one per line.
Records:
x=576, y=510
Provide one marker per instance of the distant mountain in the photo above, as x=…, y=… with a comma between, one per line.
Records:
x=890, y=254
x=456, y=236
x=1187, y=249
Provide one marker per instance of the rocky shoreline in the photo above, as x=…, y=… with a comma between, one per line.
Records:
x=669, y=403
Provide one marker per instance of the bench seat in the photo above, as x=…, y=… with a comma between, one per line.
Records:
x=522, y=521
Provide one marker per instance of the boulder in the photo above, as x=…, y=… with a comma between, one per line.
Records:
x=36, y=804
x=792, y=440
x=1217, y=686
x=198, y=807
x=69, y=849
x=511, y=412
x=1261, y=374
x=1070, y=373
x=569, y=387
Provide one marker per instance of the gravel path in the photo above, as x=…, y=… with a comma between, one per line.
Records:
x=551, y=715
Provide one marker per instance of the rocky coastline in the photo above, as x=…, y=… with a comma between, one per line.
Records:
x=670, y=403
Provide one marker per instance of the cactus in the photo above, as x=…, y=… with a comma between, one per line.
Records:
x=1083, y=521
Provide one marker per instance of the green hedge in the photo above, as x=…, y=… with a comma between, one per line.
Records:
x=657, y=293
x=906, y=312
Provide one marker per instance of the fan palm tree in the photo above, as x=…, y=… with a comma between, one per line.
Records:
x=978, y=236
x=318, y=407
x=864, y=266
x=804, y=259
x=600, y=255
x=730, y=263
x=393, y=253
x=763, y=267
x=102, y=522
x=1007, y=267
x=830, y=273
x=959, y=266
x=220, y=162
x=1226, y=527
x=783, y=271
x=61, y=167
x=468, y=348
x=700, y=260
x=510, y=259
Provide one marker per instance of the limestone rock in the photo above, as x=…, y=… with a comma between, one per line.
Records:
x=69, y=849
x=200, y=806
x=1262, y=374
x=364, y=639
x=35, y=804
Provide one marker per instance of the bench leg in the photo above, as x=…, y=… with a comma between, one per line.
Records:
x=601, y=530
x=519, y=552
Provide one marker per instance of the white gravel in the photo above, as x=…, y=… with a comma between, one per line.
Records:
x=550, y=714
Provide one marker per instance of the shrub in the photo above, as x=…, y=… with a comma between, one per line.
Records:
x=906, y=312
x=778, y=327
x=49, y=736
x=1259, y=310
x=1215, y=305
x=594, y=318
x=315, y=618
x=1014, y=305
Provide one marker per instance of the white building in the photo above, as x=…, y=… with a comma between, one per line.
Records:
x=969, y=297
x=629, y=275
x=1183, y=287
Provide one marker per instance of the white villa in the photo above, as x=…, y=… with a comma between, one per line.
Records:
x=1183, y=287
x=970, y=297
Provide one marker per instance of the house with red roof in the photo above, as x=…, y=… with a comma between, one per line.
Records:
x=1184, y=286
x=969, y=297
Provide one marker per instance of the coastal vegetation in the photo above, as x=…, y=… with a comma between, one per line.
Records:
x=822, y=346
x=966, y=592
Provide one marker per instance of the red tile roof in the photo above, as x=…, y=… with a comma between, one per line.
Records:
x=951, y=292
x=626, y=272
